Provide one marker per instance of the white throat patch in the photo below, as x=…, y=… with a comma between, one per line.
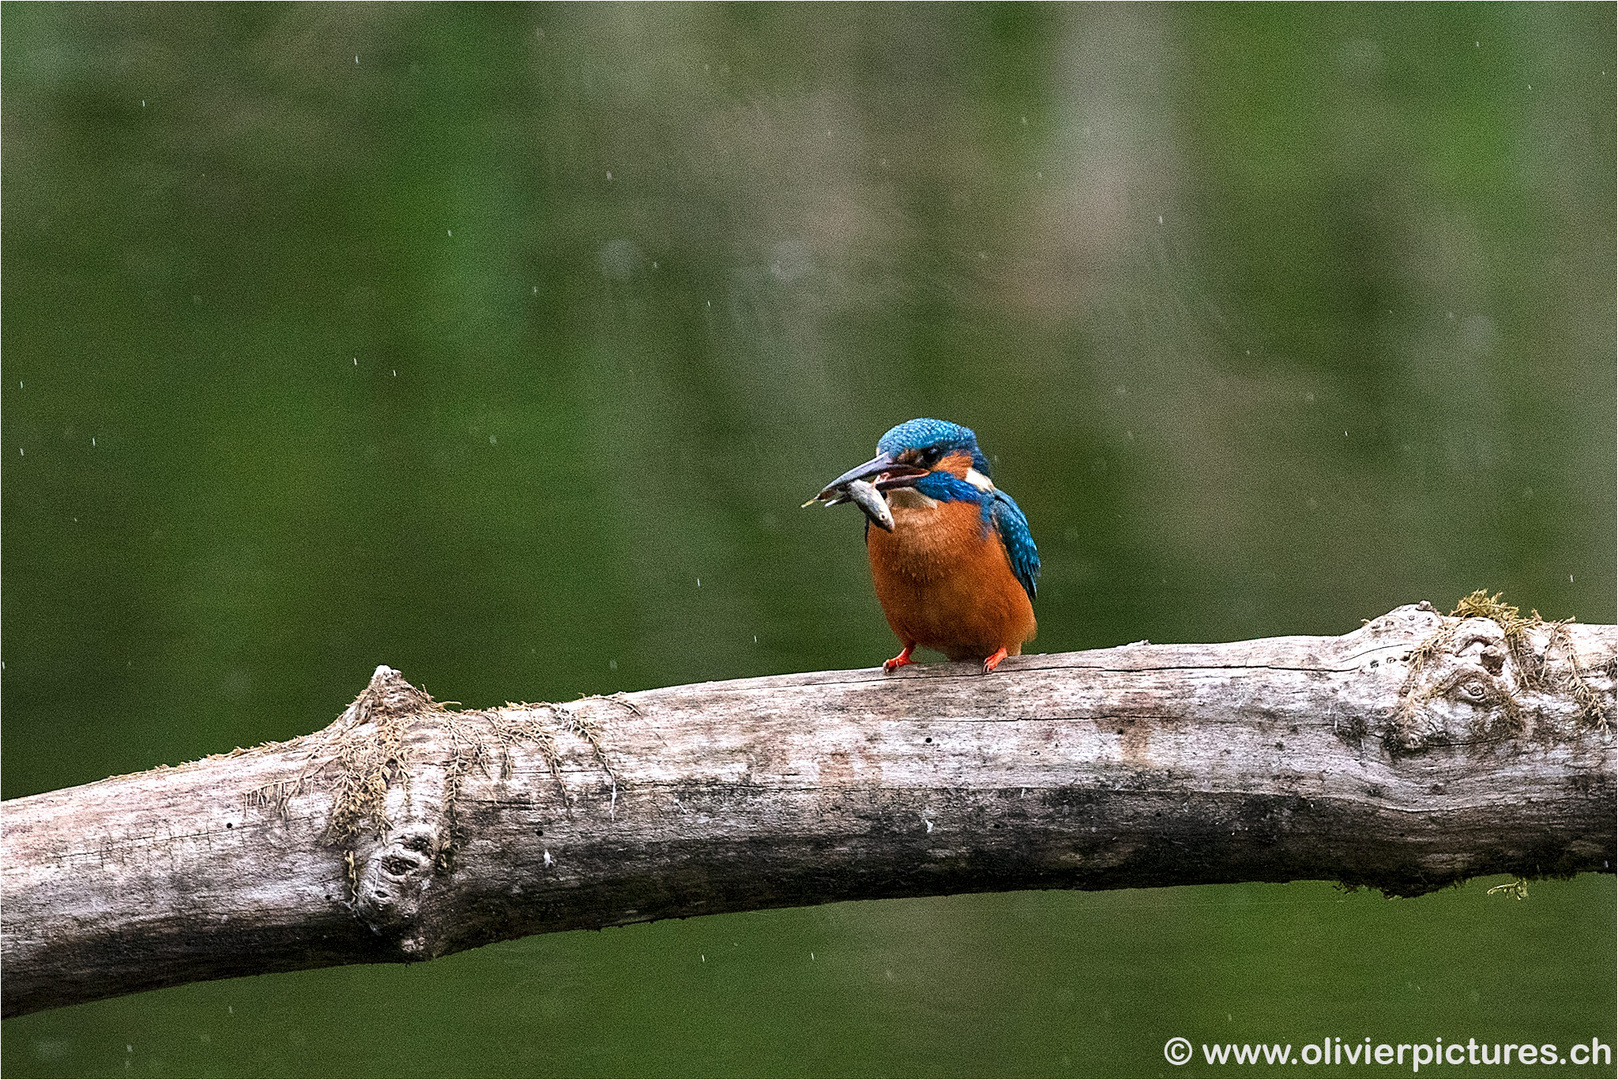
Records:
x=979, y=481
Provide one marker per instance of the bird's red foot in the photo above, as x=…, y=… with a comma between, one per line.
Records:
x=994, y=661
x=889, y=666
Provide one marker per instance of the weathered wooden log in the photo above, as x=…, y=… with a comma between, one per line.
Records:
x=1408, y=755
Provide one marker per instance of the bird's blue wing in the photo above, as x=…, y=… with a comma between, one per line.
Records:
x=1012, y=526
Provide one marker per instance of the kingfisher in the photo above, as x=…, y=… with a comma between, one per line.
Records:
x=951, y=556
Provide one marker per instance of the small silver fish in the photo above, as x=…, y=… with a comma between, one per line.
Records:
x=864, y=494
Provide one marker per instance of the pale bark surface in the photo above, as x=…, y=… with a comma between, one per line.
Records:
x=1408, y=755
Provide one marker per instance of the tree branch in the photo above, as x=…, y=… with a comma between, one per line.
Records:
x=1408, y=755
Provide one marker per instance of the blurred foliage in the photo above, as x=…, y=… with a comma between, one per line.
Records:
x=471, y=339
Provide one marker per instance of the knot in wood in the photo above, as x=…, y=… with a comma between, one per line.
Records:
x=389, y=886
x=400, y=767
x=1481, y=684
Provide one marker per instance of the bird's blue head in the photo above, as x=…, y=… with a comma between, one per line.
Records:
x=926, y=442
x=921, y=453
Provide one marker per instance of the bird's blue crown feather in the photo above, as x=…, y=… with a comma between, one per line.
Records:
x=927, y=434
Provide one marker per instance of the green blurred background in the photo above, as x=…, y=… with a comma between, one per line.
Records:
x=469, y=339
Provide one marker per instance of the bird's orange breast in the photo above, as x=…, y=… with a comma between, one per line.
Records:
x=945, y=582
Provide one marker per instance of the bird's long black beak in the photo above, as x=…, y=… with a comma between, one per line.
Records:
x=883, y=470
